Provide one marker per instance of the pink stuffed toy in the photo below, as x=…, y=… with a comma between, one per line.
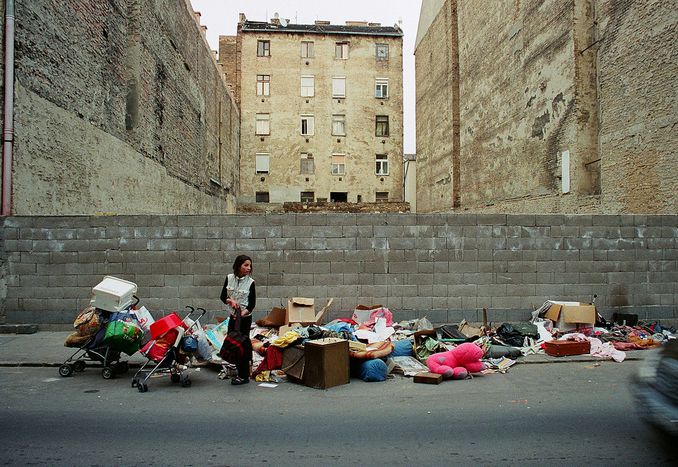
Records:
x=458, y=362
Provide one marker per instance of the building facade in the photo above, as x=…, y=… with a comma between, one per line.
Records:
x=321, y=111
x=559, y=106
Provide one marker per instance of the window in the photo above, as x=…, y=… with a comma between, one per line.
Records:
x=307, y=125
x=306, y=196
x=341, y=50
x=381, y=88
x=261, y=164
x=307, y=86
x=381, y=125
x=263, y=48
x=307, y=164
x=382, y=51
x=381, y=196
x=339, y=125
x=262, y=197
x=306, y=49
x=339, y=86
x=381, y=164
x=338, y=164
x=263, y=124
x=263, y=85
x=338, y=197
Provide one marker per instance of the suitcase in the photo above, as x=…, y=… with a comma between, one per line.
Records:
x=564, y=348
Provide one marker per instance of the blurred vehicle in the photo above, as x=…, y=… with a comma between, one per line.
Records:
x=655, y=388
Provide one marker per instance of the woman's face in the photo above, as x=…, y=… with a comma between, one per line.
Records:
x=245, y=268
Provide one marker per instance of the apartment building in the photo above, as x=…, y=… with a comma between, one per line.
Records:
x=321, y=110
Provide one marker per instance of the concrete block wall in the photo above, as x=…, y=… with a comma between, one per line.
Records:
x=446, y=267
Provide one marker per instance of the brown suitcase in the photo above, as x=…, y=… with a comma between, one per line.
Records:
x=564, y=348
x=427, y=377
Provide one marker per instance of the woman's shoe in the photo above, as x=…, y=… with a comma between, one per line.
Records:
x=237, y=381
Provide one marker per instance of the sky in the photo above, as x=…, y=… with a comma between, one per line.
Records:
x=221, y=19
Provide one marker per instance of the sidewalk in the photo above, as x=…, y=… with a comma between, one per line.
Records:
x=47, y=349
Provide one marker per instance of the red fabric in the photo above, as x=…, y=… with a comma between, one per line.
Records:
x=272, y=360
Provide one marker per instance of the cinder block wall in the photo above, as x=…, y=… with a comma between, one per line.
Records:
x=445, y=267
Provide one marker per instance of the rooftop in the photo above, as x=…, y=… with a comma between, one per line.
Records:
x=323, y=27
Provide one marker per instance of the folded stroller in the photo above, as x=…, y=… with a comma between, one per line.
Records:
x=170, y=349
x=100, y=337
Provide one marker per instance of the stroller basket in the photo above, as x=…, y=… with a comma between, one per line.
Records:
x=164, y=350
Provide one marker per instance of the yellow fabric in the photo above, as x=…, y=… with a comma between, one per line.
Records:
x=287, y=339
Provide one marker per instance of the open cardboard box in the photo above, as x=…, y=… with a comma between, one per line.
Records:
x=300, y=312
x=571, y=315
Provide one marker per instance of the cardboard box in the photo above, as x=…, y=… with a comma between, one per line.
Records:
x=302, y=310
x=276, y=317
x=571, y=315
x=563, y=348
x=427, y=377
x=327, y=363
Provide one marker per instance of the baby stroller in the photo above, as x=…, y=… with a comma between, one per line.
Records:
x=100, y=337
x=170, y=349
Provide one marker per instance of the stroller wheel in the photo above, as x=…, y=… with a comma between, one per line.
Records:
x=135, y=383
x=142, y=387
x=175, y=377
x=79, y=365
x=65, y=370
x=107, y=372
x=186, y=383
x=122, y=367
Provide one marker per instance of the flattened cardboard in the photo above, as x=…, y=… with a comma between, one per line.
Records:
x=276, y=317
x=293, y=363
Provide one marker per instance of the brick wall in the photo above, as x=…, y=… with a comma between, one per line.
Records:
x=445, y=267
x=120, y=107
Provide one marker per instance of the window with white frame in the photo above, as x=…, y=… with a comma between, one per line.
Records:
x=339, y=86
x=307, y=125
x=341, y=50
x=263, y=48
x=381, y=164
x=339, y=125
x=262, y=163
x=263, y=124
x=338, y=164
x=382, y=51
x=307, y=164
x=307, y=86
x=381, y=125
x=263, y=85
x=381, y=88
x=306, y=49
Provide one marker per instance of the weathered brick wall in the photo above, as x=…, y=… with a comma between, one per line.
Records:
x=445, y=267
x=639, y=104
x=542, y=77
x=434, y=117
x=120, y=108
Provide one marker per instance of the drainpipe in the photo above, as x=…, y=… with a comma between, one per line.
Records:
x=8, y=125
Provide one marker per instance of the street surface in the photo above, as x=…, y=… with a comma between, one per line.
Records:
x=578, y=413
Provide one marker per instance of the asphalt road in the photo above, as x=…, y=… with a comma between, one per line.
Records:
x=540, y=414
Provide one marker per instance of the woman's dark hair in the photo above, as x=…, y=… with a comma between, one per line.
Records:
x=239, y=260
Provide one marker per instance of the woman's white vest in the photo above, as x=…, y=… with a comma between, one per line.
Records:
x=239, y=289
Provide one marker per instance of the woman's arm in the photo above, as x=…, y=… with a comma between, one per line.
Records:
x=252, y=298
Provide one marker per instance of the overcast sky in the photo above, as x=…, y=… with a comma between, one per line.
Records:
x=221, y=18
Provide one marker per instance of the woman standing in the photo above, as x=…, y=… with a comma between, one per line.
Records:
x=240, y=295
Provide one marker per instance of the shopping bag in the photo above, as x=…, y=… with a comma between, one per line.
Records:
x=236, y=345
x=125, y=336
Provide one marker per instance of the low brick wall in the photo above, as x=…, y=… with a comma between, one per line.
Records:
x=445, y=267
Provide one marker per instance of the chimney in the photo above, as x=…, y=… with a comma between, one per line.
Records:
x=374, y=25
x=321, y=23
x=203, y=29
x=197, y=15
x=241, y=18
x=356, y=23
